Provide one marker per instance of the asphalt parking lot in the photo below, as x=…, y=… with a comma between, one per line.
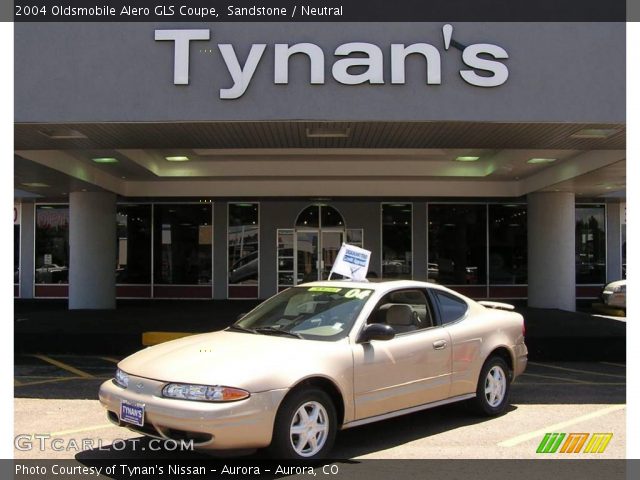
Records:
x=57, y=415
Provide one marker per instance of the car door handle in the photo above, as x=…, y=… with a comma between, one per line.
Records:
x=440, y=345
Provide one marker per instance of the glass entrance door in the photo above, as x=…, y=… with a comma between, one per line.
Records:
x=306, y=256
x=331, y=243
x=316, y=250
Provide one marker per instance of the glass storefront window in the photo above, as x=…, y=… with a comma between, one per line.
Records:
x=52, y=244
x=285, y=257
x=397, y=258
x=133, y=262
x=355, y=236
x=243, y=243
x=507, y=244
x=457, y=244
x=182, y=240
x=16, y=254
x=319, y=216
x=590, y=244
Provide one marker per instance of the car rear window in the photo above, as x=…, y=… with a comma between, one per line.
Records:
x=451, y=308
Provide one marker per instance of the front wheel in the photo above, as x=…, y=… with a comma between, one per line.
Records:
x=305, y=426
x=492, y=393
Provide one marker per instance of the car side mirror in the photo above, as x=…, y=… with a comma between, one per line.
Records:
x=376, y=331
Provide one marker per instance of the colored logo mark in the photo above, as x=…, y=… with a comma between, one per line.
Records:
x=574, y=442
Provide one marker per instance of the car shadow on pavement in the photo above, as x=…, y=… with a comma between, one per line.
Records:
x=350, y=443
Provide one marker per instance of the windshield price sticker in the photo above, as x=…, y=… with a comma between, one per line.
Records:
x=357, y=293
x=325, y=289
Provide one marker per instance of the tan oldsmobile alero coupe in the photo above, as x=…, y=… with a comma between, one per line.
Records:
x=318, y=358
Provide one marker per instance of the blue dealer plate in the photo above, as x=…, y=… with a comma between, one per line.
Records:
x=132, y=413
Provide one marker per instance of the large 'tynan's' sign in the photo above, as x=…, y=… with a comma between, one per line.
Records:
x=479, y=57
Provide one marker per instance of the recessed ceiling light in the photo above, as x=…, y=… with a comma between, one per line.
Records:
x=328, y=132
x=105, y=160
x=177, y=158
x=62, y=133
x=535, y=161
x=467, y=159
x=35, y=184
x=594, y=133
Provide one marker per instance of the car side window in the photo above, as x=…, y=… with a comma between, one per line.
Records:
x=404, y=310
x=451, y=308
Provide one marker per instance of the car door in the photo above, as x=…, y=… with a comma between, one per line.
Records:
x=466, y=340
x=411, y=369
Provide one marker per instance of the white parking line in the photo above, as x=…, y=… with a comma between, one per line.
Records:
x=85, y=429
x=64, y=366
x=622, y=365
x=512, y=442
x=563, y=379
x=109, y=359
x=576, y=370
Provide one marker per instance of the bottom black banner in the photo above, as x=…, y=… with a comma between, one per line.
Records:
x=216, y=468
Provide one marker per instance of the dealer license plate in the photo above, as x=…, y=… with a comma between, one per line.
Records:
x=132, y=413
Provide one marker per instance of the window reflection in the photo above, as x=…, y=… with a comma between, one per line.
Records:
x=16, y=254
x=507, y=244
x=590, y=244
x=182, y=239
x=52, y=244
x=285, y=258
x=457, y=244
x=134, y=241
x=396, y=240
x=243, y=243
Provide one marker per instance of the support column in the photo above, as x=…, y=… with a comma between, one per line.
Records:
x=92, y=245
x=27, y=249
x=551, y=220
x=614, y=242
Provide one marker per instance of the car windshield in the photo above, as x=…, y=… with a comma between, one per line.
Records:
x=314, y=313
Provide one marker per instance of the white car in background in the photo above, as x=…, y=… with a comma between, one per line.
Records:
x=614, y=294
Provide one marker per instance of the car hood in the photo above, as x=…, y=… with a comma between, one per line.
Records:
x=253, y=362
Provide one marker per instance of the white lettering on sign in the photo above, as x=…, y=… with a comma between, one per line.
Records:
x=358, y=62
x=181, y=39
x=471, y=58
x=316, y=59
x=373, y=61
x=241, y=75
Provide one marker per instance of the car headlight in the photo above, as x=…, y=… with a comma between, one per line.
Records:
x=121, y=379
x=620, y=289
x=204, y=393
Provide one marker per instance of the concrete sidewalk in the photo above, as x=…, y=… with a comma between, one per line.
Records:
x=47, y=326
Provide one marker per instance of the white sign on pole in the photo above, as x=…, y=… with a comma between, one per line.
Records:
x=351, y=262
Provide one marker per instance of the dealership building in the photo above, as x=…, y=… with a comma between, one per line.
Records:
x=232, y=160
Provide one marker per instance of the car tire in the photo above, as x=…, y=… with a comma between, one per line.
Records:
x=305, y=425
x=494, y=384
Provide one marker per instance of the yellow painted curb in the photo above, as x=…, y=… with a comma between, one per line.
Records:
x=154, y=338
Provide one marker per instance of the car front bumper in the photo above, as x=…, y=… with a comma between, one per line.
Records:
x=231, y=425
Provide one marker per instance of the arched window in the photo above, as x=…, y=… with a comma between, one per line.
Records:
x=319, y=216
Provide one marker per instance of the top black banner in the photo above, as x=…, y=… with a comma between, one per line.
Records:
x=316, y=11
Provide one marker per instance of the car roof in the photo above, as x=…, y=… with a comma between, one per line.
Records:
x=376, y=284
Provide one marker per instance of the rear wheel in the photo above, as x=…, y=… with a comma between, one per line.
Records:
x=492, y=393
x=305, y=425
